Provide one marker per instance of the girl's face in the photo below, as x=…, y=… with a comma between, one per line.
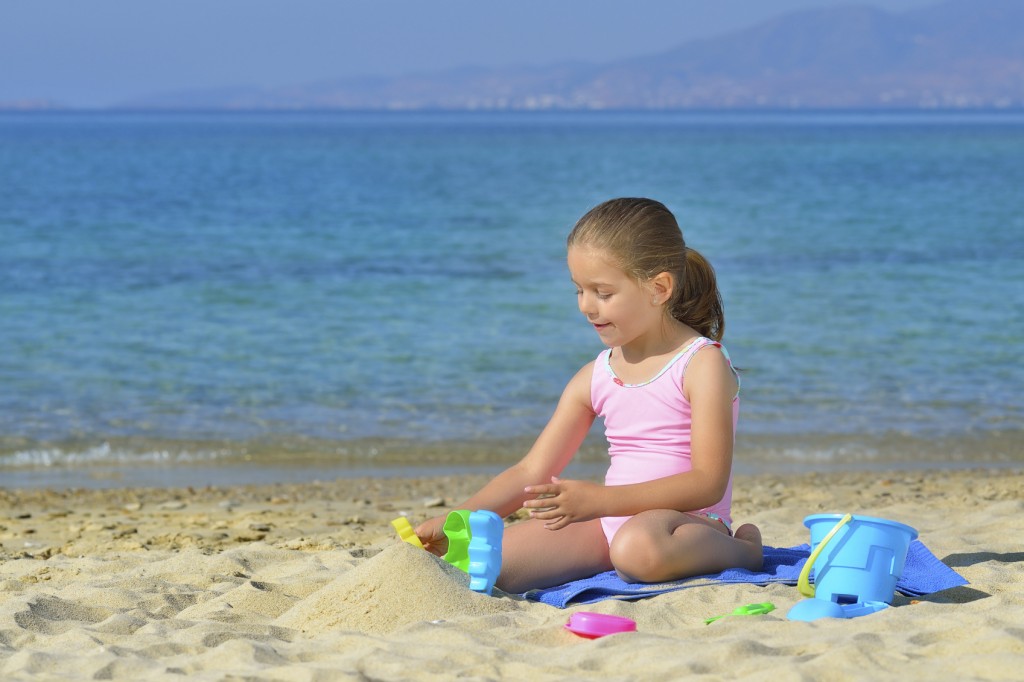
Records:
x=620, y=309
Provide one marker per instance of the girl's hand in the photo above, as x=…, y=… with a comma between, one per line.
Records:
x=560, y=503
x=431, y=534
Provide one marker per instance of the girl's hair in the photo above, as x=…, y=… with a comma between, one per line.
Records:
x=645, y=240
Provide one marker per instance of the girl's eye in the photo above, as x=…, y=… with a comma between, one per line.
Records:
x=603, y=297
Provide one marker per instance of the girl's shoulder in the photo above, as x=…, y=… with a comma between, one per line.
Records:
x=685, y=354
x=709, y=365
x=708, y=346
x=579, y=385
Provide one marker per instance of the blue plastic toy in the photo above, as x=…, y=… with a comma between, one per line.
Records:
x=856, y=560
x=457, y=530
x=484, y=550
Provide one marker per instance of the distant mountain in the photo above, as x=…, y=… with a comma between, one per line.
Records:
x=955, y=54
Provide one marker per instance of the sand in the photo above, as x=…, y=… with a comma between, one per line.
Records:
x=309, y=582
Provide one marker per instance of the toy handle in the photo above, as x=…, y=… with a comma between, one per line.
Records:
x=803, y=583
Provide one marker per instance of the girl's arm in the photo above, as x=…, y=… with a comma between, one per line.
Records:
x=551, y=452
x=710, y=387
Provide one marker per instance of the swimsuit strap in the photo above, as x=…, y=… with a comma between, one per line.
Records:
x=704, y=341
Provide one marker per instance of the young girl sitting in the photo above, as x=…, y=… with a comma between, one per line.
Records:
x=669, y=398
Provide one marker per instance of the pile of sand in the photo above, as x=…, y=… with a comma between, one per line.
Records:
x=400, y=586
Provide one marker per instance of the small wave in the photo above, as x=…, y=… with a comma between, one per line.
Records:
x=104, y=454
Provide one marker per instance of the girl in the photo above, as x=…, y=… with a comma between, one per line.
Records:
x=669, y=398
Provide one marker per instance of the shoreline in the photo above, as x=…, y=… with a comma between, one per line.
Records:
x=244, y=475
x=302, y=581
x=130, y=462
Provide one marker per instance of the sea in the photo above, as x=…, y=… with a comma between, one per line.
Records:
x=207, y=298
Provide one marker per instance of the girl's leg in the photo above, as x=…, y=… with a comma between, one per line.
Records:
x=534, y=557
x=662, y=544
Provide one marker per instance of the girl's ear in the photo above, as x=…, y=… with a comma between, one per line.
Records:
x=661, y=285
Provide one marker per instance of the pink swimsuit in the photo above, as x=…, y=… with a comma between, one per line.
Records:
x=648, y=428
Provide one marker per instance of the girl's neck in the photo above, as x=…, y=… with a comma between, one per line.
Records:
x=668, y=339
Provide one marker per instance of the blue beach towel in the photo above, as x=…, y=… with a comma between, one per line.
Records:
x=923, y=574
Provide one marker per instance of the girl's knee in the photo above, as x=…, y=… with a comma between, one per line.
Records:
x=658, y=547
x=636, y=554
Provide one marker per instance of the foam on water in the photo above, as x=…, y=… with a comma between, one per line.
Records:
x=105, y=455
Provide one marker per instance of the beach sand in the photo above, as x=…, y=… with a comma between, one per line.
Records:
x=310, y=582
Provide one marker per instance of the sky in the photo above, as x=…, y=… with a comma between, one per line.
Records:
x=98, y=53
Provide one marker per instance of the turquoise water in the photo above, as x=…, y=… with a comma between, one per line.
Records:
x=192, y=285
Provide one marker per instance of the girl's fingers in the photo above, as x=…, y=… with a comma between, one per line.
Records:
x=546, y=514
x=543, y=489
x=557, y=524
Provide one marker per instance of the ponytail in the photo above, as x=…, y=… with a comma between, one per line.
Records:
x=698, y=303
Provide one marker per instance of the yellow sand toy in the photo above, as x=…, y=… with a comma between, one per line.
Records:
x=405, y=531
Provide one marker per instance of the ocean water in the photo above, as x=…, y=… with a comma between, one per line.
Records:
x=353, y=289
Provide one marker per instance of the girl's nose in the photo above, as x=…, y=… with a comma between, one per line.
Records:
x=586, y=305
